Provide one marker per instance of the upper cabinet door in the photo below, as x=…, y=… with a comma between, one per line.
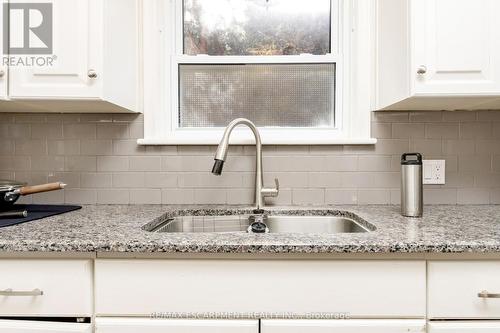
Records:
x=343, y=326
x=456, y=46
x=73, y=69
x=3, y=69
x=22, y=326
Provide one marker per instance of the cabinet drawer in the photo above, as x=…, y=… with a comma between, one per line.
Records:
x=359, y=288
x=23, y=326
x=66, y=286
x=343, y=326
x=454, y=287
x=136, y=325
x=465, y=327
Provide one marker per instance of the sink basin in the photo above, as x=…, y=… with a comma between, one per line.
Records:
x=284, y=222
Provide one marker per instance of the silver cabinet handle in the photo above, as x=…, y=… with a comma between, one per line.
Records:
x=92, y=74
x=485, y=294
x=422, y=70
x=10, y=292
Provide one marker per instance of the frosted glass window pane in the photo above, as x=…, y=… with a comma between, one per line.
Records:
x=271, y=95
x=256, y=27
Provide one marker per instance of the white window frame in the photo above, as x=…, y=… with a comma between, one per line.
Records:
x=352, y=23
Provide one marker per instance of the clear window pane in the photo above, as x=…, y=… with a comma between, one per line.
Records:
x=271, y=95
x=257, y=27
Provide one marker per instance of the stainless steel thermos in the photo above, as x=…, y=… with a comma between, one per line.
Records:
x=411, y=185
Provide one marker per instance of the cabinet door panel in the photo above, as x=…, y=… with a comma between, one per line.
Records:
x=465, y=327
x=3, y=69
x=453, y=288
x=457, y=42
x=343, y=326
x=130, y=325
x=19, y=326
x=296, y=286
x=76, y=51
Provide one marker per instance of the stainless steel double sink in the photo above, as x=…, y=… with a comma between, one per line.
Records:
x=317, y=222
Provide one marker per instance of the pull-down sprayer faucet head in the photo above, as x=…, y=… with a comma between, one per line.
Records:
x=217, y=169
x=221, y=154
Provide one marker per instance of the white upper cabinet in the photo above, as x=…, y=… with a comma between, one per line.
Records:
x=3, y=69
x=77, y=65
x=438, y=54
x=93, y=64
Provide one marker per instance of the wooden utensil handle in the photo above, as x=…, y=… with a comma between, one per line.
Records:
x=26, y=190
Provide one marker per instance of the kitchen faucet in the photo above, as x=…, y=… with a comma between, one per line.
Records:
x=221, y=154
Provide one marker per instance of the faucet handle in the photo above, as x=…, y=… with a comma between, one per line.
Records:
x=272, y=192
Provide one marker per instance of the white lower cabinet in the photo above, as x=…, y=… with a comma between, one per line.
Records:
x=146, y=325
x=21, y=326
x=464, y=327
x=343, y=326
x=364, y=289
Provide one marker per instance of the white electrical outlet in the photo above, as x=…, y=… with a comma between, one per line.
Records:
x=434, y=172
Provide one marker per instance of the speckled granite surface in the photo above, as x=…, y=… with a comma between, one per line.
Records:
x=444, y=229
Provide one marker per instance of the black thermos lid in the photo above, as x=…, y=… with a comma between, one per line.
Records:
x=411, y=159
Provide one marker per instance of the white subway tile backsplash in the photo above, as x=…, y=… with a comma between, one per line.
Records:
x=98, y=156
x=96, y=147
x=112, y=163
x=442, y=131
x=128, y=180
x=177, y=196
x=408, y=130
x=476, y=130
x=71, y=179
x=80, y=163
x=113, y=131
x=48, y=131
x=96, y=180
x=459, y=116
x=381, y=130
x=160, y=180
x=426, y=116
x=79, y=131
x=80, y=196
x=341, y=197
x=473, y=196
x=379, y=197
x=30, y=147
x=375, y=163
x=315, y=197
x=455, y=147
x=433, y=196
x=113, y=196
x=210, y=196
x=426, y=146
x=47, y=163
x=488, y=116
x=390, y=117
x=63, y=147
x=145, y=163
x=145, y=196
x=341, y=163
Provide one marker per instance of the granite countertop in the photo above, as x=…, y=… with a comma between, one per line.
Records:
x=118, y=228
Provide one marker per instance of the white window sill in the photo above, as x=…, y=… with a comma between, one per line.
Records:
x=269, y=137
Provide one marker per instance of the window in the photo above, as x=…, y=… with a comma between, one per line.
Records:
x=283, y=64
